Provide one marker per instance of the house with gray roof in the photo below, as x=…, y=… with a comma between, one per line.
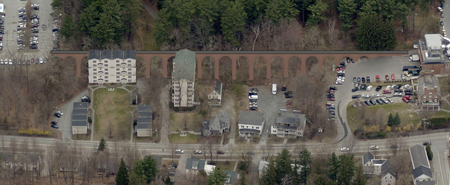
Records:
x=215, y=93
x=195, y=165
x=421, y=166
x=79, y=118
x=378, y=167
x=112, y=66
x=230, y=177
x=250, y=123
x=289, y=125
x=183, y=78
x=429, y=92
x=144, y=120
x=217, y=125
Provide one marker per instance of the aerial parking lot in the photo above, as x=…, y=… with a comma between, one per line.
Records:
x=29, y=31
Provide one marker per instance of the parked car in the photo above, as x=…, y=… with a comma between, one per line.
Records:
x=54, y=126
x=354, y=80
x=363, y=80
x=283, y=88
x=367, y=103
x=387, y=77
x=54, y=123
x=392, y=76
x=363, y=87
x=345, y=149
x=369, y=88
x=179, y=151
x=333, y=88
x=372, y=102
x=220, y=152
x=58, y=115
x=197, y=152
x=368, y=79
x=330, y=99
x=378, y=88
x=387, y=91
x=355, y=89
x=374, y=147
x=356, y=96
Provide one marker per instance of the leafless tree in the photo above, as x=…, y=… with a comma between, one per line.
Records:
x=395, y=145
x=131, y=154
x=350, y=143
x=173, y=150
x=24, y=146
x=35, y=145
x=244, y=151
x=331, y=24
x=256, y=30
x=211, y=148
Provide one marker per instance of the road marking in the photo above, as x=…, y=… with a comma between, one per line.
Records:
x=440, y=166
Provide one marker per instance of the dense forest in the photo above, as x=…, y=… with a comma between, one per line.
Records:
x=245, y=24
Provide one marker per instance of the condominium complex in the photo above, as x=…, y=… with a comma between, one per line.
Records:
x=183, y=79
x=112, y=66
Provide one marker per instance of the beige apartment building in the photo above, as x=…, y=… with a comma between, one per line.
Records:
x=112, y=66
x=183, y=79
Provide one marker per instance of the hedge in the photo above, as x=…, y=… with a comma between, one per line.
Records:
x=32, y=131
x=436, y=123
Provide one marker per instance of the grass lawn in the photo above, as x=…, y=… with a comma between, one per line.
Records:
x=224, y=166
x=178, y=121
x=188, y=139
x=130, y=88
x=441, y=114
x=444, y=85
x=403, y=109
x=112, y=114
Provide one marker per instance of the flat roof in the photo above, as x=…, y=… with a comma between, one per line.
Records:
x=79, y=123
x=251, y=118
x=434, y=41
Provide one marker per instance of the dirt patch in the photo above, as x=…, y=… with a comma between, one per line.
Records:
x=112, y=114
x=185, y=122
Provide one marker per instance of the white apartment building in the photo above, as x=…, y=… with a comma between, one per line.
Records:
x=183, y=78
x=250, y=123
x=112, y=66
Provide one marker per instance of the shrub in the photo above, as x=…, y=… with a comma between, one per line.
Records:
x=429, y=152
x=381, y=135
x=32, y=131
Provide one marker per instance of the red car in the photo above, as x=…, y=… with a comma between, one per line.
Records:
x=387, y=77
x=330, y=99
x=392, y=76
x=377, y=78
x=387, y=91
x=406, y=98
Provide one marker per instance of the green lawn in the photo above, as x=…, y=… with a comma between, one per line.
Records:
x=112, y=114
x=404, y=110
x=130, y=88
x=81, y=137
x=441, y=114
x=444, y=85
x=188, y=139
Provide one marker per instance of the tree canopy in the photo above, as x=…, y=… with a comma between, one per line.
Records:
x=122, y=175
x=373, y=33
x=145, y=170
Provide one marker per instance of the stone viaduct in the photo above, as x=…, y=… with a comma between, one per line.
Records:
x=234, y=56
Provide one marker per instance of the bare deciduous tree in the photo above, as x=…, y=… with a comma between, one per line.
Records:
x=24, y=146
x=173, y=150
x=350, y=143
x=395, y=144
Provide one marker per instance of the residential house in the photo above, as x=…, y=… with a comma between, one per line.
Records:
x=195, y=165
x=144, y=121
x=289, y=125
x=215, y=93
x=421, y=166
x=26, y=162
x=80, y=122
x=250, y=123
x=183, y=78
x=378, y=167
x=217, y=125
x=230, y=177
x=429, y=92
x=263, y=165
x=112, y=66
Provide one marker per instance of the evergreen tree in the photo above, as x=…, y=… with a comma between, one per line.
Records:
x=347, y=10
x=397, y=120
x=269, y=176
x=283, y=166
x=373, y=33
x=233, y=22
x=278, y=9
x=346, y=169
x=333, y=163
x=390, y=120
x=168, y=181
x=360, y=178
x=305, y=163
x=429, y=152
x=145, y=170
x=317, y=11
x=216, y=177
x=243, y=180
x=101, y=145
x=122, y=175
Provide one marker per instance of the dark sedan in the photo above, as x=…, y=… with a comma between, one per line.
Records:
x=378, y=88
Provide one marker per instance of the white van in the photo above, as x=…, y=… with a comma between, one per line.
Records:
x=274, y=89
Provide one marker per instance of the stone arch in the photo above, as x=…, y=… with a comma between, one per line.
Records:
x=311, y=61
x=260, y=68
x=170, y=66
x=329, y=63
x=294, y=66
x=242, y=69
x=225, y=71
x=277, y=68
x=208, y=68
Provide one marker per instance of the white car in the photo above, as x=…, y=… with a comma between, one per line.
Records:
x=375, y=95
x=369, y=88
x=345, y=149
x=374, y=147
x=197, y=152
x=179, y=151
x=1, y=61
x=41, y=60
x=60, y=112
x=10, y=62
x=365, y=96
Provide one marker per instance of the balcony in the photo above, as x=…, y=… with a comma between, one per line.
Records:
x=123, y=65
x=100, y=65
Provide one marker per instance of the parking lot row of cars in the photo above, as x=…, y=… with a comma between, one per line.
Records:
x=23, y=61
x=34, y=22
x=253, y=98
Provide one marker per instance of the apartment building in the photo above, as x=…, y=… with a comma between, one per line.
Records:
x=250, y=123
x=429, y=92
x=183, y=78
x=112, y=66
x=289, y=125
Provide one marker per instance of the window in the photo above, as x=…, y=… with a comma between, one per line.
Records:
x=253, y=127
x=106, y=80
x=95, y=80
x=129, y=64
x=106, y=76
x=106, y=69
x=117, y=73
x=117, y=80
x=117, y=64
x=257, y=127
x=129, y=61
x=129, y=69
x=106, y=65
x=106, y=73
x=95, y=65
x=242, y=126
x=129, y=80
x=117, y=76
x=95, y=76
x=105, y=61
x=129, y=76
x=95, y=73
x=129, y=73
x=117, y=61
x=95, y=61
x=95, y=69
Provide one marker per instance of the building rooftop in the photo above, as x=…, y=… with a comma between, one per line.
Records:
x=367, y=157
x=184, y=65
x=419, y=156
x=94, y=54
x=117, y=54
x=425, y=182
x=106, y=54
x=217, y=123
x=79, y=123
x=129, y=54
x=231, y=176
x=80, y=105
x=196, y=164
x=422, y=170
x=251, y=118
x=433, y=41
x=428, y=81
x=386, y=168
x=79, y=117
x=79, y=112
x=379, y=161
x=145, y=108
x=142, y=126
x=215, y=85
x=290, y=119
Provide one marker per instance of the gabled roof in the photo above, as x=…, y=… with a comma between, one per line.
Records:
x=94, y=54
x=428, y=81
x=422, y=170
x=231, y=176
x=79, y=117
x=184, y=65
x=251, y=118
x=80, y=105
x=145, y=115
x=117, y=54
x=215, y=85
x=419, y=156
x=79, y=112
x=292, y=119
x=79, y=123
x=425, y=182
x=144, y=120
x=142, y=126
x=217, y=123
x=385, y=169
x=367, y=157
x=145, y=108
x=129, y=54
x=106, y=54
x=198, y=164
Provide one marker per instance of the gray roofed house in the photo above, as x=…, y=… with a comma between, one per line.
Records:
x=117, y=54
x=217, y=124
x=144, y=121
x=79, y=123
x=79, y=118
x=106, y=54
x=419, y=156
x=94, y=54
x=215, y=93
x=387, y=176
x=367, y=158
x=79, y=112
x=129, y=54
x=80, y=105
x=250, y=123
x=183, y=78
x=429, y=92
x=194, y=165
x=289, y=125
x=425, y=183
x=231, y=176
x=422, y=171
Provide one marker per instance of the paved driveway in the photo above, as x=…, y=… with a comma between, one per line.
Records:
x=379, y=66
x=65, y=122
